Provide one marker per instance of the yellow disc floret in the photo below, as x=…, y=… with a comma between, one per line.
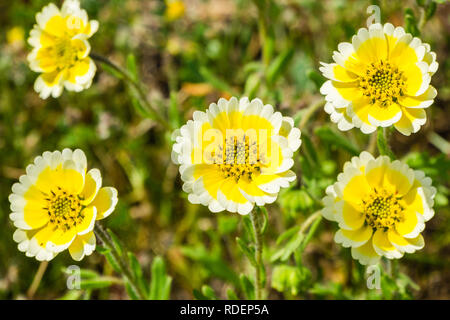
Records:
x=67, y=52
x=240, y=158
x=382, y=209
x=382, y=83
x=64, y=209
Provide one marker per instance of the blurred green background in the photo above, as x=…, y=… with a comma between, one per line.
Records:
x=188, y=54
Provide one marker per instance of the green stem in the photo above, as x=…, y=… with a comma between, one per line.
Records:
x=422, y=19
x=382, y=143
x=309, y=221
x=37, y=279
x=309, y=112
x=395, y=268
x=372, y=143
x=258, y=252
x=123, y=265
x=136, y=85
x=265, y=32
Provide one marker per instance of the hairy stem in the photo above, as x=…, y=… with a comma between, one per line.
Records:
x=382, y=143
x=309, y=221
x=125, y=268
x=136, y=85
x=258, y=252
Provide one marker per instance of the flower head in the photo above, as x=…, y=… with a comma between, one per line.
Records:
x=15, y=36
x=236, y=154
x=61, y=50
x=174, y=9
x=381, y=207
x=380, y=79
x=56, y=203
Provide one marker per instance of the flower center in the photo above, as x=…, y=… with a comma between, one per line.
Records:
x=382, y=209
x=64, y=209
x=65, y=52
x=240, y=158
x=382, y=83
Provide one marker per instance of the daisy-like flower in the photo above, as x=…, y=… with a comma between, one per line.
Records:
x=380, y=79
x=236, y=154
x=56, y=203
x=61, y=50
x=380, y=206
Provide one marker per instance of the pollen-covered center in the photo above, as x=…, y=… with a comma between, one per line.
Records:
x=382, y=83
x=382, y=209
x=66, y=52
x=241, y=158
x=64, y=209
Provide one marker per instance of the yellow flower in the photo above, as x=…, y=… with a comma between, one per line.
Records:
x=56, y=203
x=15, y=36
x=236, y=154
x=380, y=79
x=174, y=9
x=61, y=50
x=380, y=206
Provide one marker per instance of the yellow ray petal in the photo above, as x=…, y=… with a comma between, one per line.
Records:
x=105, y=202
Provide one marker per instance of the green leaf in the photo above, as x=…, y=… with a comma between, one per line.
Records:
x=113, y=262
x=253, y=66
x=174, y=113
x=311, y=152
x=262, y=274
x=247, y=250
x=160, y=282
x=199, y=295
x=430, y=10
x=331, y=136
x=84, y=273
x=252, y=85
x=116, y=242
x=287, y=234
x=316, y=77
x=231, y=295
x=212, y=263
x=112, y=71
x=131, y=291
x=98, y=283
x=72, y=295
x=208, y=292
x=290, y=278
x=285, y=252
x=279, y=65
x=137, y=104
x=421, y=3
x=247, y=287
x=132, y=66
x=137, y=272
x=248, y=228
x=411, y=22
x=102, y=249
x=310, y=234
